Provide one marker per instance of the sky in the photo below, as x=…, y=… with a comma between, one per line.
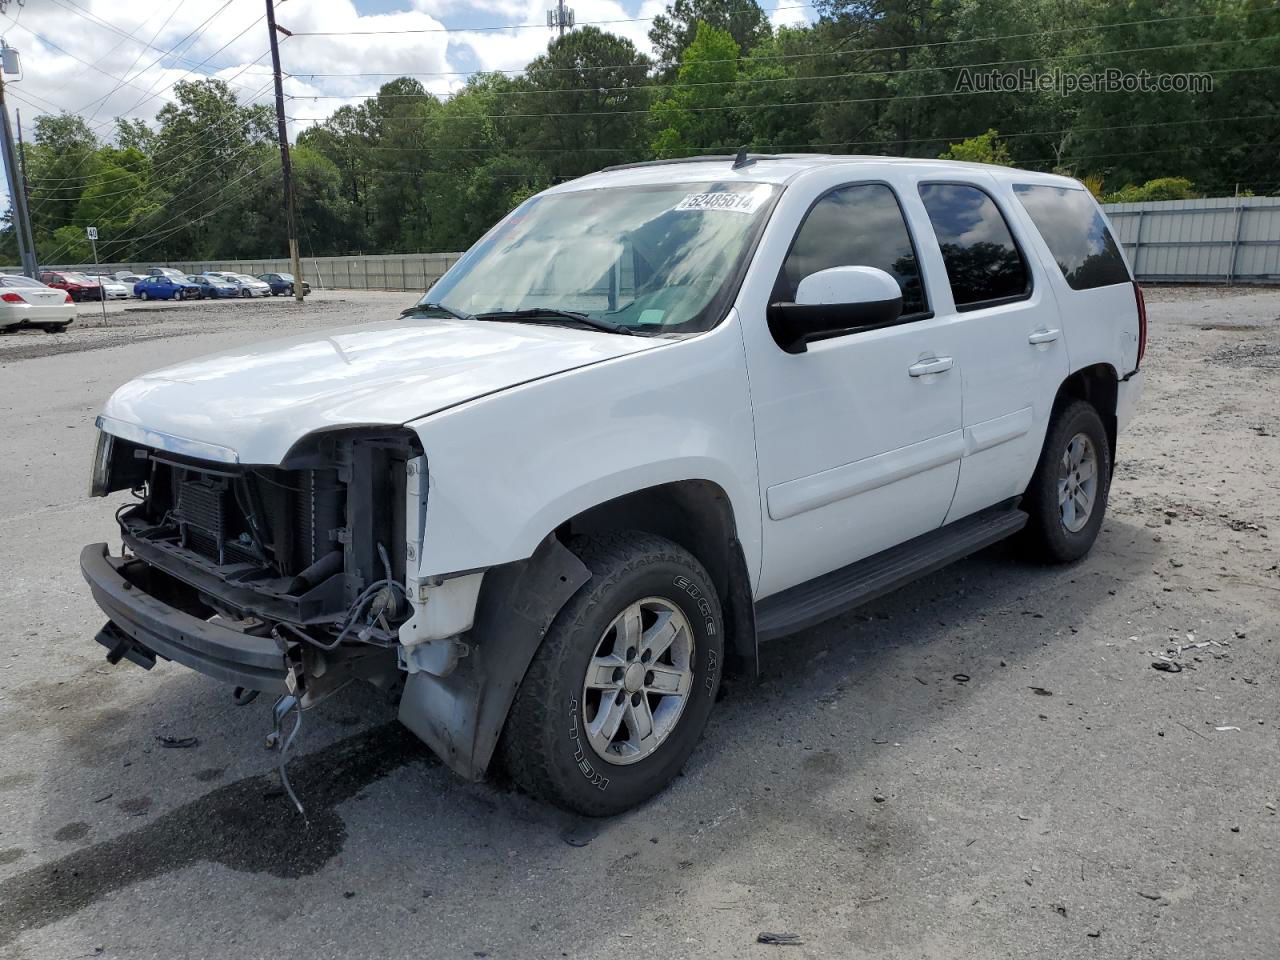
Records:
x=109, y=58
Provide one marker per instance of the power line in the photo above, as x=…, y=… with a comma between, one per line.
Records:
x=509, y=26
x=633, y=88
x=152, y=96
x=79, y=11
x=187, y=223
x=745, y=107
x=940, y=138
x=860, y=51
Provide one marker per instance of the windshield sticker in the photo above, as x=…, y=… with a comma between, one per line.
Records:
x=731, y=202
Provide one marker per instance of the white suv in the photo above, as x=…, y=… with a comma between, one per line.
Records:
x=655, y=415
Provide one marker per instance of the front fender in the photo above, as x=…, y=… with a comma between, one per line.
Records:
x=506, y=469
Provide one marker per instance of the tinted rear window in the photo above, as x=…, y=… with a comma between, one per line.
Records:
x=1076, y=235
x=984, y=264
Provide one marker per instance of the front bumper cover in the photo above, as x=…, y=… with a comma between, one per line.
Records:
x=209, y=648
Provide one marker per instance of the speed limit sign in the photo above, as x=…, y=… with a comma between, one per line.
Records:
x=91, y=232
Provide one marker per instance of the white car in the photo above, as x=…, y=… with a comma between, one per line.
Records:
x=247, y=285
x=113, y=289
x=29, y=303
x=654, y=416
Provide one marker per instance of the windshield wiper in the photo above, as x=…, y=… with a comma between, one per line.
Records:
x=418, y=308
x=553, y=313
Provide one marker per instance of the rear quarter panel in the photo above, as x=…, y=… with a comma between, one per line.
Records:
x=1099, y=325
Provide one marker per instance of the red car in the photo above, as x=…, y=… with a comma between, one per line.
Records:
x=77, y=284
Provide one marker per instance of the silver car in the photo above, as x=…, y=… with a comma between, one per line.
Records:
x=247, y=285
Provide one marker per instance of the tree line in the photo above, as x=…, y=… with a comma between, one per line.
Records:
x=406, y=171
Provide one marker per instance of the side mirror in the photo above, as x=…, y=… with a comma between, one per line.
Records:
x=835, y=300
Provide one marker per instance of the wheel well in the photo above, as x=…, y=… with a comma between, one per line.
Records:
x=697, y=515
x=1098, y=385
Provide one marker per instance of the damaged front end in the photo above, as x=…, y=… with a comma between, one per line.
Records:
x=287, y=578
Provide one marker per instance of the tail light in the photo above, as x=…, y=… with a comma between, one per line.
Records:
x=66, y=297
x=1142, y=323
x=12, y=298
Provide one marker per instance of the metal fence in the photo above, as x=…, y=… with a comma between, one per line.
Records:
x=1215, y=240
x=403, y=271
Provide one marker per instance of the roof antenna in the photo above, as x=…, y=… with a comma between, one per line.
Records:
x=742, y=160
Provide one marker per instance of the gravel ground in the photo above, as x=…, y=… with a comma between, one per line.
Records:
x=982, y=765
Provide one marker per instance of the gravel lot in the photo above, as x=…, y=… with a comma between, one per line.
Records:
x=1066, y=800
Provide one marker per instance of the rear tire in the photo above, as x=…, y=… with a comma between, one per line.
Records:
x=245, y=293
x=1067, y=496
x=56, y=327
x=603, y=666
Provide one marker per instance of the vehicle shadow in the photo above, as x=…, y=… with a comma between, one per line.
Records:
x=895, y=669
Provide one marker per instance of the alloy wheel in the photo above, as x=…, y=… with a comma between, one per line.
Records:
x=1077, y=483
x=638, y=681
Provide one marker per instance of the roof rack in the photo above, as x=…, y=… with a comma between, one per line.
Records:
x=736, y=159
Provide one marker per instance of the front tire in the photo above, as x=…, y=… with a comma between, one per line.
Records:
x=144, y=295
x=1067, y=496
x=620, y=690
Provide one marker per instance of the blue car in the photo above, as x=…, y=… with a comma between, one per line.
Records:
x=211, y=287
x=159, y=287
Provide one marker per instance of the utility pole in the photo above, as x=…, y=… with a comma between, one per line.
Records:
x=560, y=17
x=17, y=186
x=286, y=170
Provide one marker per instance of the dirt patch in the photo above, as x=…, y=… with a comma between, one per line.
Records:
x=1263, y=356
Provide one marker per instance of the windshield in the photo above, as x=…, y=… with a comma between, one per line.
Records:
x=650, y=258
x=244, y=278
x=79, y=278
x=287, y=277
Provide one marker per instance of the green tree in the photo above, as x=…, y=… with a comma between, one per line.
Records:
x=692, y=118
x=597, y=87
x=984, y=148
x=673, y=32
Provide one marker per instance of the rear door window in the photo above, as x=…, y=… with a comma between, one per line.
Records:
x=983, y=262
x=1076, y=234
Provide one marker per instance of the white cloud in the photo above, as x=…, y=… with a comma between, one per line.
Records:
x=103, y=74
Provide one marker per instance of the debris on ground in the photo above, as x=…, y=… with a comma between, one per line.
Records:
x=780, y=939
x=580, y=834
x=1041, y=691
x=1168, y=666
x=179, y=743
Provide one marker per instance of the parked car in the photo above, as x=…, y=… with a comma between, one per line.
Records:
x=654, y=416
x=114, y=289
x=283, y=283
x=210, y=288
x=127, y=278
x=173, y=272
x=164, y=287
x=80, y=286
x=29, y=303
x=246, y=285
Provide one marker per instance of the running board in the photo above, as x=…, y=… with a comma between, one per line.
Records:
x=831, y=594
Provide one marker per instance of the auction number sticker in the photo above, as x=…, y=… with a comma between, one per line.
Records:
x=730, y=202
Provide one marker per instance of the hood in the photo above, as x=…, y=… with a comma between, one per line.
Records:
x=259, y=400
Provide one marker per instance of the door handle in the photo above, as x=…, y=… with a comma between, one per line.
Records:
x=1043, y=336
x=922, y=368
